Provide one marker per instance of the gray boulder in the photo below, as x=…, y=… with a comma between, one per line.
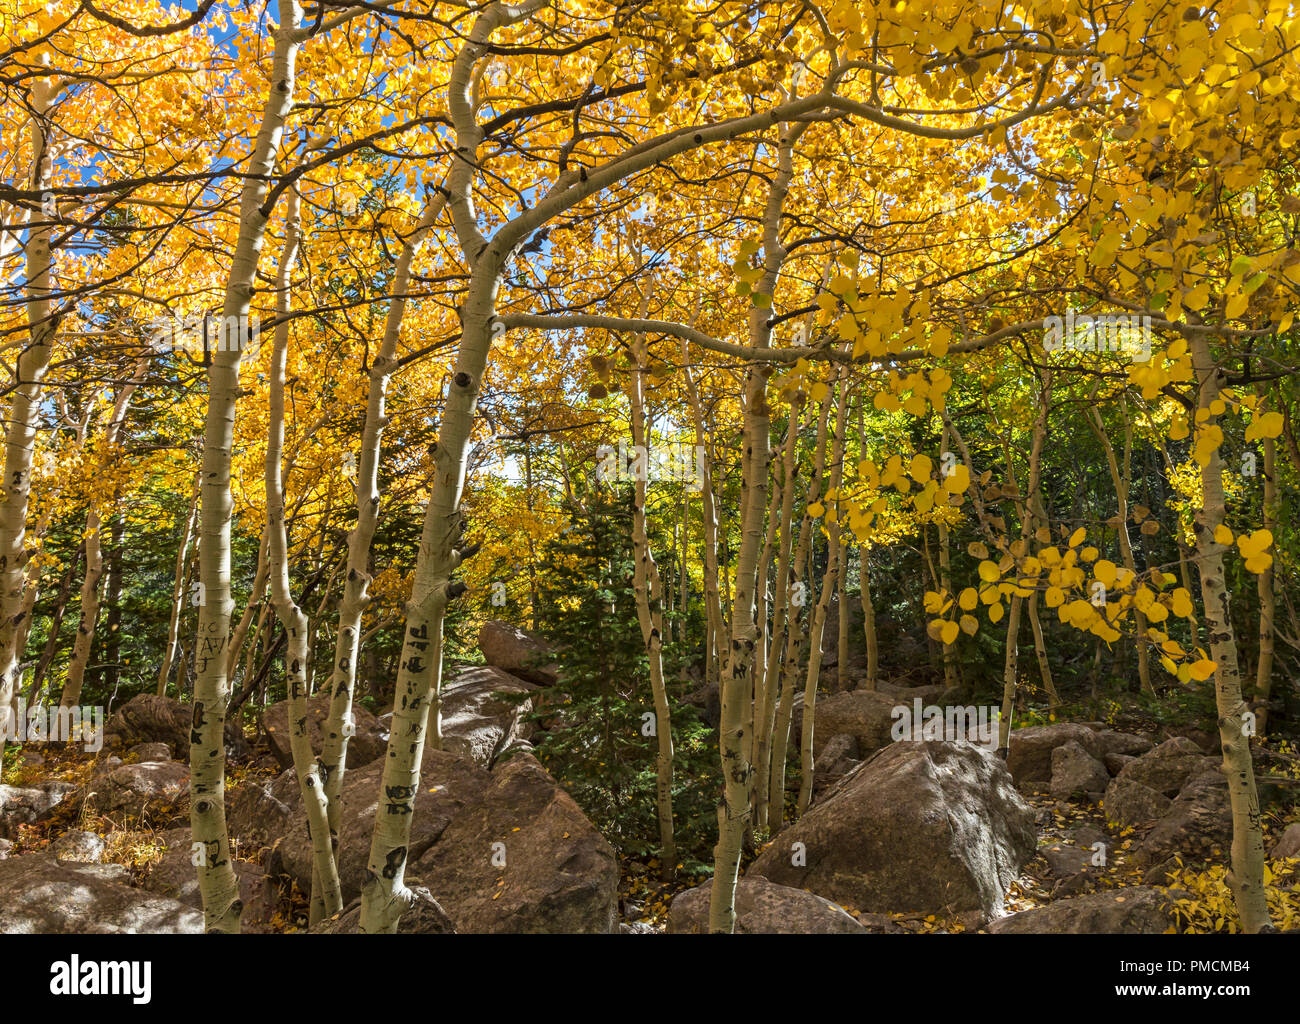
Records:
x=476, y=722
x=866, y=715
x=259, y=812
x=1139, y=910
x=1132, y=804
x=929, y=827
x=1165, y=768
x=156, y=790
x=518, y=652
x=559, y=873
x=40, y=896
x=1112, y=742
x=26, y=805
x=763, y=908
x=79, y=846
x=1076, y=774
x=1029, y=754
x=1289, y=844
x=149, y=752
x=1197, y=826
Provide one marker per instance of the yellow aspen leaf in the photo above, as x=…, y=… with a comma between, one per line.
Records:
x=1202, y=670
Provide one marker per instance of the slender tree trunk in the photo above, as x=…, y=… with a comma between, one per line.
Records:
x=178, y=588
x=1265, y=584
x=823, y=605
x=113, y=651
x=90, y=590
x=356, y=597
x=1120, y=479
x=1246, y=874
x=709, y=515
x=649, y=595
x=788, y=670
x=768, y=674
x=23, y=409
x=255, y=601
x=217, y=883
x=326, y=897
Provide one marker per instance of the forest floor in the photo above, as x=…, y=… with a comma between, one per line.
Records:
x=644, y=898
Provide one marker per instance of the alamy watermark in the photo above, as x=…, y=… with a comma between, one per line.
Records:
x=975, y=725
x=668, y=461
x=42, y=724
x=198, y=334
x=1081, y=332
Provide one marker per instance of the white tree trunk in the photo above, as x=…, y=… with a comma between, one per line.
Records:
x=217, y=882
x=24, y=408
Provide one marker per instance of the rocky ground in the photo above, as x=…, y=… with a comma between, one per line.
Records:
x=1086, y=827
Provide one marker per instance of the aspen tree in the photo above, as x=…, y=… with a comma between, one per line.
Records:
x=768, y=677
x=1264, y=582
x=23, y=408
x=326, y=896
x=790, y=663
x=217, y=883
x=178, y=588
x=1120, y=478
x=648, y=587
x=823, y=603
x=90, y=588
x=1246, y=874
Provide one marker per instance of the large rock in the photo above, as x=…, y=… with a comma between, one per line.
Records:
x=39, y=895
x=1166, y=767
x=148, y=718
x=1130, y=804
x=1112, y=742
x=1029, y=757
x=1076, y=774
x=26, y=805
x=259, y=812
x=1139, y=910
x=1289, y=844
x=79, y=846
x=370, y=741
x=476, y=722
x=928, y=827
x=1197, y=826
x=929, y=693
x=518, y=652
x=839, y=756
x=763, y=908
x=560, y=875
x=866, y=715
x=1144, y=786
x=151, y=789
x=149, y=752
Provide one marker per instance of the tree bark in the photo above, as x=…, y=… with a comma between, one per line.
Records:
x=1246, y=873
x=217, y=883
